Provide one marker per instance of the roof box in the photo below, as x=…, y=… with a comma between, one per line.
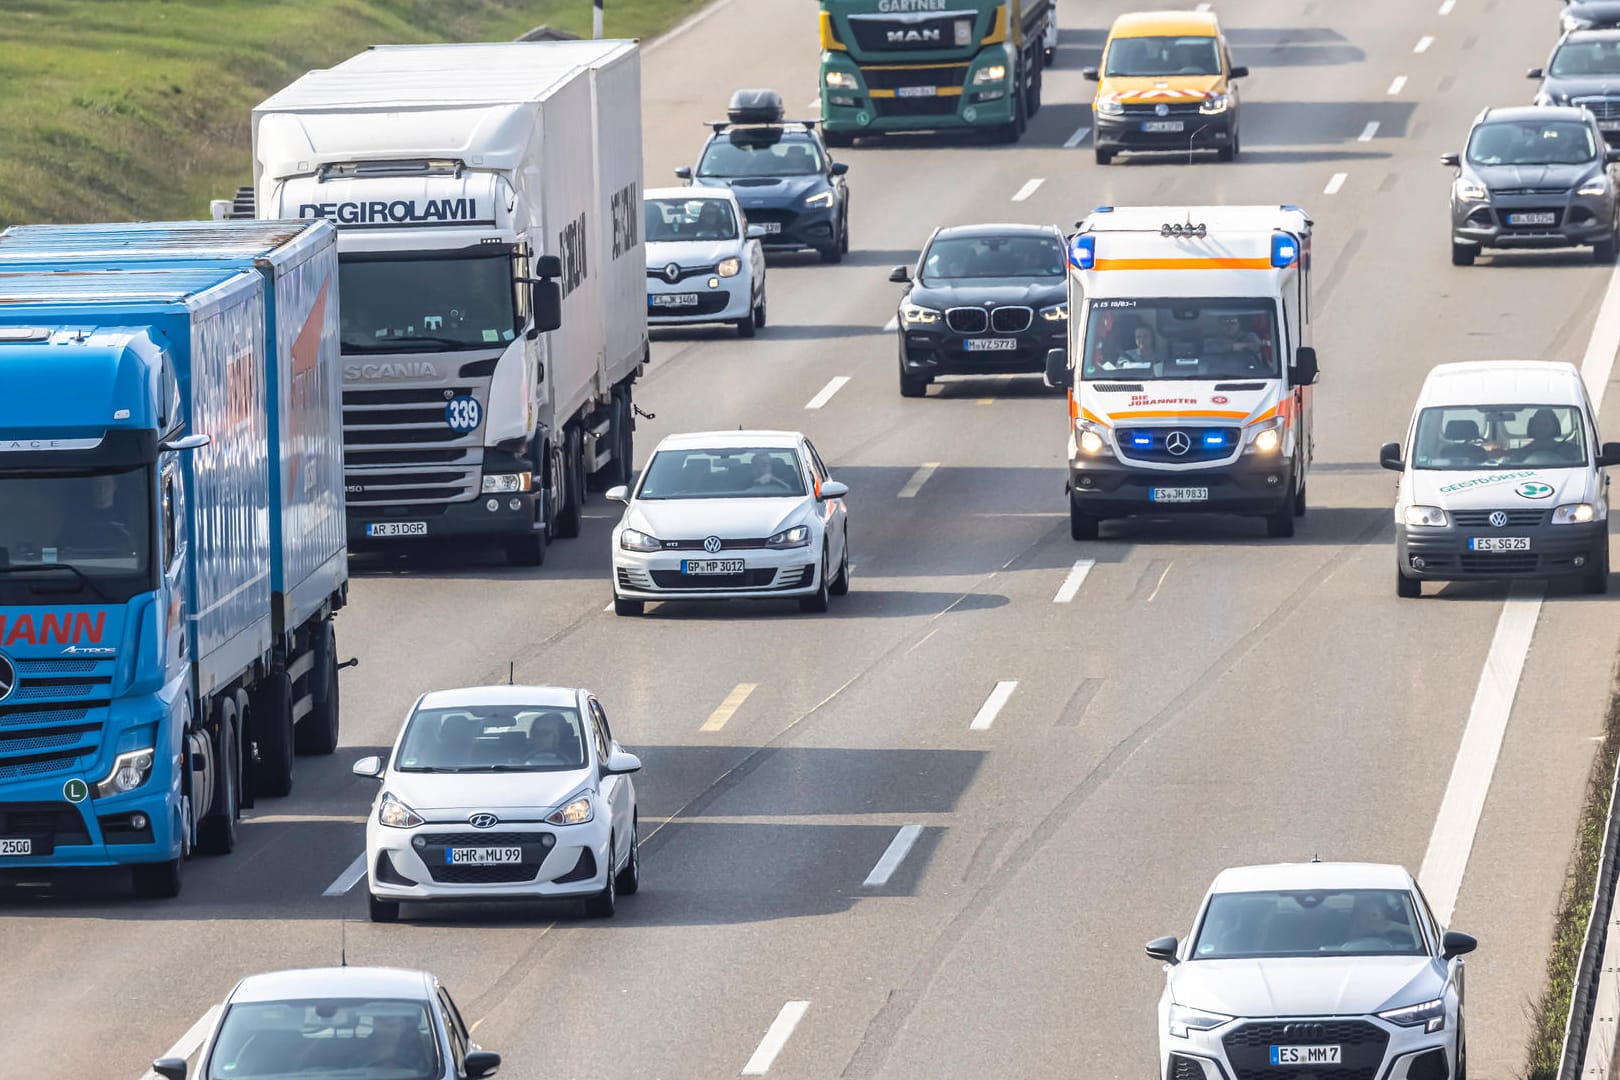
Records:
x=755, y=107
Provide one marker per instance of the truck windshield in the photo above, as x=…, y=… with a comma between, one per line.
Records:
x=76, y=532
x=1138, y=57
x=1181, y=339
x=426, y=304
x=1482, y=437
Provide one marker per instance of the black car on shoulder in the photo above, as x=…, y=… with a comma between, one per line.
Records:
x=781, y=173
x=1590, y=15
x=1584, y=71
x=982, y=300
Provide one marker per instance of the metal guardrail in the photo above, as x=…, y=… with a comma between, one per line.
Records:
x=1589, y=1031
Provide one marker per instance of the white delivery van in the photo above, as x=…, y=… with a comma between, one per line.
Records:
x=1502, y=477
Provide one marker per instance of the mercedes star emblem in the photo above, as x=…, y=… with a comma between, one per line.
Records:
x=1161, y=109
x=711, y=545
x=8, y=677
x=1177, y=443
x=483, y=821
x=1498, y=518
x=672, y=273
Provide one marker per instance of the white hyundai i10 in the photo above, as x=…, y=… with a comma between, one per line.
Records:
x=503, y=793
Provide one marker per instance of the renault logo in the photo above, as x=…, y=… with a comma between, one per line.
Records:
x=672, y=273
x=1161, y=109
x=1177, y=443
x=1498, y=518
x=712, y=544
x=483, y=821
x=8, y=677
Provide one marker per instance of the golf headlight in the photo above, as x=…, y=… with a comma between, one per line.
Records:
x=1056, y=313
x=1598, y=185
x=129, y=772
x=1217, y=103
x=576, y=811
x=1429, y=517
x=821, y=200
x=502, y=483
x=990, y=73
x=395, y=814
x=1184, y=1020
x=730, y=267
x=1091, y=437
x=1266, y=438
x=1108, y=105
x=635, y=540
x=842, y=80
x=913, y=315
x=1430, y=1015
x=796, y=537
x=1574, y=514
x=1471, y=191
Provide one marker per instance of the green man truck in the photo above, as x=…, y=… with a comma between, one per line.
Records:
x=930, y=65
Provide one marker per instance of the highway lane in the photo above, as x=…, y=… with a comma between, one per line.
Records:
x=1086, y=816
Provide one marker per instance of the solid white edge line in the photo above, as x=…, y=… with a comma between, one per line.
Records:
x=1597, y=366
x=1029, y=188
x=349, y=878
x=893, y=855
x=993, y=705
x=918, y=479
x=1336, y=183
x=1368, y=132
x=676, y=31
x=834, y=384
x=1423, y=44
x=1397, y=85
x=190, y=1041
x=1077, y=138
x=893, y=323
x=775, y=1038
x=1071, y=584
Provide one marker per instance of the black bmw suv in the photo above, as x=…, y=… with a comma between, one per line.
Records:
x=982, y=300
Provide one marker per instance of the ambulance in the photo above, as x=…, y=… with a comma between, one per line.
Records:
x=1190, y=367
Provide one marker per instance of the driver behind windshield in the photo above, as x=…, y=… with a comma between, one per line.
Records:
x=103, y=525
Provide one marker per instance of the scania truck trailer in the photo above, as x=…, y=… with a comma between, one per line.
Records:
x=455, y=175
x=919, y=65
x=171, y=554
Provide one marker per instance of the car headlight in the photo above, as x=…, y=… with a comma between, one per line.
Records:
x=730, y=267
x=1184, y=1020
x=1108, y=105
x=1091, y=437
x=1597, y=185
x=1056, y=313
x=821, y=199
x=990, y=73
x=1431, y=1015
x=1267, y=437
x=1217, y=103
x=502, y=483
x=129, y=772
x=796, y=537
x=916, y=315
x=1574, y=514
x=636, y=540
x=1429, y=517
x=395, y=814
x=576, y=811
x=842, y=80
x=1471, y=191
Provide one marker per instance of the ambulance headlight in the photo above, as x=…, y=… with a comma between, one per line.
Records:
x=1092, y=438
x=1574, y=514
x=1426, y=517
x=1266, y=438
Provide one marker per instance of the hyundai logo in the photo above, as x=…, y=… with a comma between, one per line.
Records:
x=1305, y=1032
x=712, y=544
x=1161, y=109
x=1498, y=518
x=483, y=821
x=672, y=273
x=1177, y=443
x=8, y=677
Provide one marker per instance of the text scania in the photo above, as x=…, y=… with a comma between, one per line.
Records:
x=64, y=628
x=902, y=6
x=397, y=212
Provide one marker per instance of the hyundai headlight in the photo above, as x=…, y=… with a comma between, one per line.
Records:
x=916, y=315
x=821, y=200
x=1597, y=185
x=1471, y=191
x=1574, y=514
x=1108, y=105
x=502, y=483
x=1091, y=437
x=730, y=267
x=1430, y=1015
x=842, y=80
x=1184, y=1020
x=576, y=811
x=395, y=814
x=129, y=772
x=1215, y=104
x=990, y=73
x=796, y=537
x=636, y=540
x=1428, y=517
x=1056, y=313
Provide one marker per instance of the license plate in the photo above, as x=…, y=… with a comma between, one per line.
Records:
x=1179, y=495
x=684, y=299
x=771, y=228
x=1163, y=125
x=16, y=847
x=917, y=91
x=991, y=344
x=1540, y=217
x=1499, y=543
x=1609, y=125
x=397, y=528
x=1304, y=1055
x=711, y=566
x=482, y=856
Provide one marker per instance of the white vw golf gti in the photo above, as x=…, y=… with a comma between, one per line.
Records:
x=722, y=514
x=1311, y=971
x=503, y=793
x=704, y=262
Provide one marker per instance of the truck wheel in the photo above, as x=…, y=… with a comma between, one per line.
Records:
x=216, y=833
x=317, y=732
x=1605, y=251
x=1013, y=130
x=157, y=881
x=620, y=419
x=1407, y=588
x=572, y=467
x=271, y=726
x=1082, y=526
x=1280, y=523
x=527, y=550
x=1035, y=90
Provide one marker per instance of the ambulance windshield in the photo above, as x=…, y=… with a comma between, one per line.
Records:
x=1161, y=339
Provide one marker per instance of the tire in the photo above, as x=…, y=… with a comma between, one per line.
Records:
x=606, y=902
x=1226, y=153
x=834, y=254
x=817, y=602
x=156, y=881
x=843, y=236
x=216, y=833
x=1299, y=501
x=527, y=550
x=1050, y=56
x=317, y=733
x=1034, y=102
x=383, y=911
x=629, y=882
x=840, y=583
x=270, y=724
x=628, y=607
x=1407, y=588
x=1596, y=579
x=837, y=140
x=1605, y=251
x=745, y=325
x=760, y=313
x=1013, y=130
x=1103, y=156
x=913, y=385
x=573, y=465
x=1280, y=523
x=1463, y=254
x=617, y=471
x=1082, y=526
x=1462, y=1053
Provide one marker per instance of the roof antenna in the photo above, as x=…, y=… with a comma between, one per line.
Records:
x=1315, y=857
x=511, y=673
x=343, y=941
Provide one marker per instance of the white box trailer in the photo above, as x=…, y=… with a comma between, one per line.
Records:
x=453, y=174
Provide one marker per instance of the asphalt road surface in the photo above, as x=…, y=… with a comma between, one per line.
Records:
x=1204, y=697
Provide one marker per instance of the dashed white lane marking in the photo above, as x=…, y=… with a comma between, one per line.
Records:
x=834, y=384
x=609, y=606
x=1423, y=44
x=1397, y=85
x=1029, y=188
x=1160, y=583
x=892, y=324
x=1453, y=836
x=1077, y=138
x=1445, y=8
x=1071, y=584
x=815, y=103
x=893, y=856
x=918, y=479
x=1336, y=183
x=190, y=1041
x=1598, y=364
x=1368, y=132
x=728, y=707
x=993, y=705
x=349, y=878
x=781, y=1030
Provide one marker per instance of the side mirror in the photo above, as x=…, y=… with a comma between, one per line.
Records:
x=838, y=168
x=684, y=173
x=619, y=763
x=1238, y=71
x=1162, y=948
x=1455, y=944
x=1533, y=73
x=1611, y=155
x=545, y=301
x=170, y=1068
x=480, y=1063
x=1089, y=74
x=1454, y=160
x=1609, y=455
x=832, y=489
x=369, y=767
x=1305, y=369
x=756, y=232
x=1057, y=369
x=1389, y=456
x=187, y=442
x=901, y=274
x=619, y=493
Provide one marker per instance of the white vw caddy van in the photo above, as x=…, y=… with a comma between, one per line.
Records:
x=1502, y=478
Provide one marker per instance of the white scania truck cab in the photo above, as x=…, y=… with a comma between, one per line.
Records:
x=1190, y=364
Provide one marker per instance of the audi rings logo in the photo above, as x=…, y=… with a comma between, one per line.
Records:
x=1177, y=443
x=483, y=821
x=1305, y=1032
x=8, y=677
x=711, y=545
x=1161, y=109
x=672, y=273
x=1498, y=518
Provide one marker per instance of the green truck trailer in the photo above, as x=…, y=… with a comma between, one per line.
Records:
x=924, y=65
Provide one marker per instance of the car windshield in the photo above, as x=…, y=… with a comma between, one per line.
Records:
x=750, y=153
x=1338, y=922
x=493, y=738
x=1132, y=57
x=955, y=258
x=98, y=524
x=426, y=304
x=1532, y=142
x=1480, y=437
x=690, y=219
x=723, y=473
x=1578, y=58
x=326, y=1039
x=1153, y=339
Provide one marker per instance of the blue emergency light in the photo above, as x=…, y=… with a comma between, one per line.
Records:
x=1215, y=440
x=1284, y=250
x=1141, y=440
x=1083, y=252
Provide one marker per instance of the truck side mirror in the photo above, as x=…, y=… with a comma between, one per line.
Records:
x=1057, y=369
x=1609, y=455
x=1162, y=948
x=901, y=274
x=546, y=302
x=548, y=266
x=1305, y=369
x=1089, y=74
x=1454, y=160
x=187, y=442
x=1389, y=456
x=1611, y=155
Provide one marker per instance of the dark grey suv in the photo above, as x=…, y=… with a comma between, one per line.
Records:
x=1533, y=177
